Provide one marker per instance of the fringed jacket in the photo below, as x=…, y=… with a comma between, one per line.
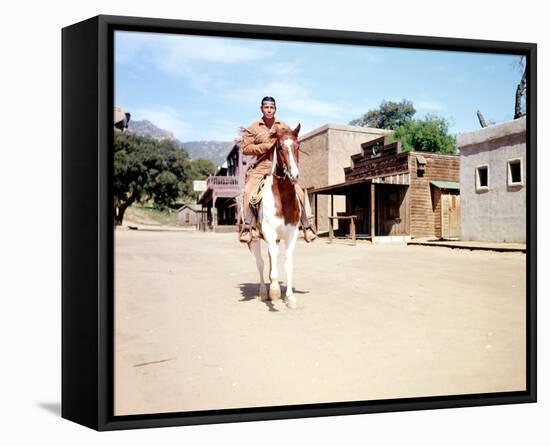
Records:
x=257, y=139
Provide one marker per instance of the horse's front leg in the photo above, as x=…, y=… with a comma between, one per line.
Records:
x=255, y=247
x=274, y=288
x=292, y=236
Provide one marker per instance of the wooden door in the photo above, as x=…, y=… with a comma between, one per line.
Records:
x=450, y=215
x=392, y=210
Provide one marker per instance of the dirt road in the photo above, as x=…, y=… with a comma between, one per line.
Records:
x=373, y=321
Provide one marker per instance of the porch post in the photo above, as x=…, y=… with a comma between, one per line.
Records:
x=214, y=213
x=372, y=211
x=352, y=229
x=316, y=213
x=332, y=208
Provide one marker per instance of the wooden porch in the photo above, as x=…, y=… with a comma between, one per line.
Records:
x=220, y=201
x=375, y=208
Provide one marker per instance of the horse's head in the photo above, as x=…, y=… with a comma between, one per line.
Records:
x=288, y=153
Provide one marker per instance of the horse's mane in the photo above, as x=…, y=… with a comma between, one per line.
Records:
x=281, y=132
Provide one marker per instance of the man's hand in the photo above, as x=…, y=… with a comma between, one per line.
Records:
x=264, y=137
x=267, y=146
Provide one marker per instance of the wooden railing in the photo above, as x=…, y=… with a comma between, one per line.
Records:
x=222, y=181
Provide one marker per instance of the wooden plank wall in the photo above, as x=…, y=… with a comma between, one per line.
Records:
x=424, y=212
x=388, y=226
x=436, y=197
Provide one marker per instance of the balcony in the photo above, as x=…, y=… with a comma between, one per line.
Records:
x=222, y=182
x=218, y=186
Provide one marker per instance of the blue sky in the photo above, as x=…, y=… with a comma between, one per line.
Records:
x=206, y=87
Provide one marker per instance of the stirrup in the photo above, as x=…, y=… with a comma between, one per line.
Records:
x=312, y=236
x=249, y=233
x=245, y=236
x=255, y=232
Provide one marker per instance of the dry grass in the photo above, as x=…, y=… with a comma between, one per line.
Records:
x=147, y=215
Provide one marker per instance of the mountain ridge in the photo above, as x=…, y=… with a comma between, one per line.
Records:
x=213, y=150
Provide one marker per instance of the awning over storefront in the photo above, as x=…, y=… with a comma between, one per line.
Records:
x=340, y=188
x=402, y=178
x=446, y=185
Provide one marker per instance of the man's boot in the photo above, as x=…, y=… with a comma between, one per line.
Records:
x=309, y=231
x=248, y=232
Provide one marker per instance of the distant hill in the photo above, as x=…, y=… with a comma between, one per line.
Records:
x=148, y=128
x=215, y=151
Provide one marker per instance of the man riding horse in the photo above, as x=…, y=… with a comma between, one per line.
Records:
x=257, y=140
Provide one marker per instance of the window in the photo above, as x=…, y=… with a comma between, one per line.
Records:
x=515, y=174
x=482, y=177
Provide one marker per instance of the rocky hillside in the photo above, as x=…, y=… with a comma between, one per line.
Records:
x=148, y=128
x=215, y=151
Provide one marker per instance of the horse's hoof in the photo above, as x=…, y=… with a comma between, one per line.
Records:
x=291, y=303
x=263, y=293
x=274, y=292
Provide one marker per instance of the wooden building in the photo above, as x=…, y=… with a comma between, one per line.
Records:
x=190, y=215
x=393, y=195
x=222, y=189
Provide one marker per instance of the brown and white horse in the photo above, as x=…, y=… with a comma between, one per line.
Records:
x=279, y=215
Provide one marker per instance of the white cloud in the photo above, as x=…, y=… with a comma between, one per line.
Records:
x=282, y=69
x=203, y=63
x=172, y=51
x=357, y=111
x=195, y=58
x=427, y=105
x=290, y=97
x=222, y=130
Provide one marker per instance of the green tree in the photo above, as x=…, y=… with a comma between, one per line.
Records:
x=201, y=168
x=389, y=115
x=146, y=169
x=165, y=188
x=430, y=134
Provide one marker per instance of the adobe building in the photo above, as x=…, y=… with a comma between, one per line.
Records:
x=394, y=195
x=493, y=182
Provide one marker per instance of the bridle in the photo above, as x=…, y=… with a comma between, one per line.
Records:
x=286, y=172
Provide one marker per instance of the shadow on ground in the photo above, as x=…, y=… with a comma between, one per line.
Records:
x=250, y=291
x=54, y=408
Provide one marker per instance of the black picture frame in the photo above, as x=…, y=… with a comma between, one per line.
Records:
x=87, y=229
